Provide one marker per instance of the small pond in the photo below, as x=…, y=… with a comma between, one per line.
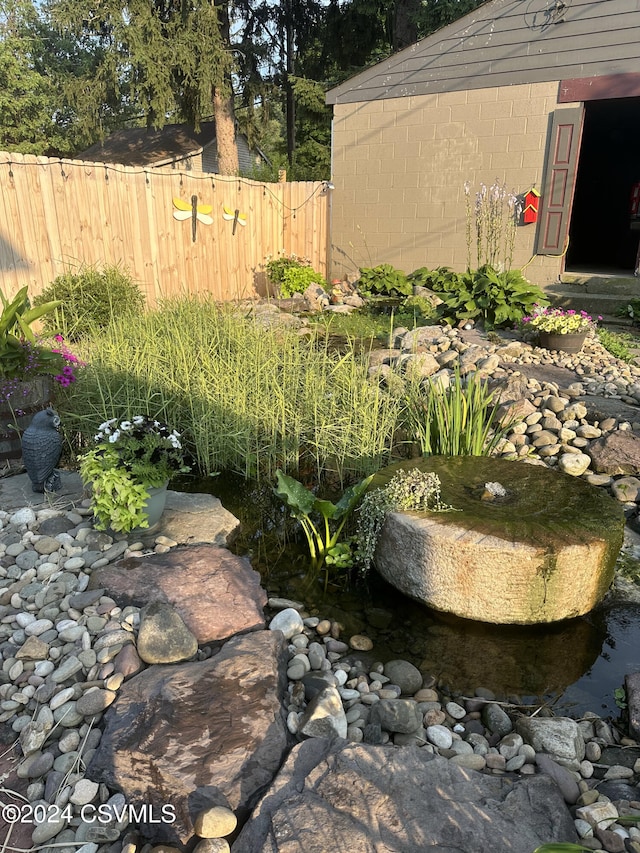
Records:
x=575, y=665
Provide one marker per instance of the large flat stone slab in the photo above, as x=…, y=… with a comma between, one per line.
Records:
x=16, y=492
x=339, y=796
x=197, y=735
x=197, y=518
x=216, y=593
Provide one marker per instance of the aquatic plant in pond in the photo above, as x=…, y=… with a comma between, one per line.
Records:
x=324, y=543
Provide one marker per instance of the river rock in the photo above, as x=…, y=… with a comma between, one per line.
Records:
x=330, y=791
x=288, y=621
x=216, y=593
x=189, y=736
x=407, y=676
x=561, y=776
x=163, y=636
x=215, y=822
x=324, y=716
x=396, y=715
x=558, y=736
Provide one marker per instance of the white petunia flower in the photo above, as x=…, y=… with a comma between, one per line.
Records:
x=114, y=436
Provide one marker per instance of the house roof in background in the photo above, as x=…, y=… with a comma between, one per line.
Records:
x=141, y=146
x=506, y=42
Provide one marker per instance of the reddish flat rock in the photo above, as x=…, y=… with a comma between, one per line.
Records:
x=197, y=735
x=216, y=593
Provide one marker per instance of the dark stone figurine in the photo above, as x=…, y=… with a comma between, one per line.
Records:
x=41, y=451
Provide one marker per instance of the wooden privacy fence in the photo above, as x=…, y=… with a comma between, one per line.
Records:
x=56, y=215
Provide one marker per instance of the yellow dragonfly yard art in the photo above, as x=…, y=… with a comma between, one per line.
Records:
x=193, y=211
x=235, y=215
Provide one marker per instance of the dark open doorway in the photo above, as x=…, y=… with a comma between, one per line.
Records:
x=600, y=237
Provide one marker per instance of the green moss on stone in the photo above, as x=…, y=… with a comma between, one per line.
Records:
x=542, y=508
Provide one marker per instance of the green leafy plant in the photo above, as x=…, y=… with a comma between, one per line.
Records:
x=631, y=310
x=618, y=343
x=323, y=542
x=407, y=490
x=384, y=280
x=291, y=274
x=414, y=311
x=89, y=299
x=620, y=697
x=130, y=457
x=496, y=298
x=439, y=279
x=20, y=352
x=456, y=421
x=298, y=279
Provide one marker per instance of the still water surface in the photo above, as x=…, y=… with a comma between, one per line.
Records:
x=574, y=665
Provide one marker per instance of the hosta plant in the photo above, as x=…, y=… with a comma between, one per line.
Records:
x=494, y=298
x=384, y=280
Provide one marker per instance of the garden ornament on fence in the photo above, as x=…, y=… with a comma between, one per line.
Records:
x=41, y=451
x=193, y=211
x=235, y=215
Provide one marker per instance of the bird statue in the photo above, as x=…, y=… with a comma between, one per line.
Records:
x=41, y=451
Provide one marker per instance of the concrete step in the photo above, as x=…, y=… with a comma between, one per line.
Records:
x=611, y=285
x=593, y=303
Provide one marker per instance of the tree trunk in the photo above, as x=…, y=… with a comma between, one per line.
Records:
x=405, y=26
x=225, y=134
x=223, y=106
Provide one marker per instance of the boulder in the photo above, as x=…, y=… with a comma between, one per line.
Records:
x=203, y=734
x=216, y=593
x=339, y=796
x=616, y=453
x=541, y=549
x=632, y=685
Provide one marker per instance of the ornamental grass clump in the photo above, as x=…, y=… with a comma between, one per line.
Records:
x=247, y=398
x=558, y=321
x=406, y=491
x=456, y=421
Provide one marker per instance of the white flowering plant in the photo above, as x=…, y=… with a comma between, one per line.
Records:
x=130, y=456
x=557, y=321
